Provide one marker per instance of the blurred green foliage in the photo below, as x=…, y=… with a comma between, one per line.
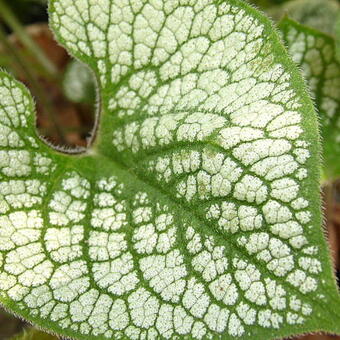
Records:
x=34, y=334
x=337, y=36
x=263, y=4
x=319, y=14
x=29, y=11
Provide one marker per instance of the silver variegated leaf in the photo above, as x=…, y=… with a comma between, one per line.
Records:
x=195, y=212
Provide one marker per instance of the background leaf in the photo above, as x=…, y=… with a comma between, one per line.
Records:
x=314, y=52
x=319, y=14
x=337, y=37
x=78, y=83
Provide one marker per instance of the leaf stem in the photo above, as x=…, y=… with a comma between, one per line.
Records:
x=9, y=18
x=22, y=64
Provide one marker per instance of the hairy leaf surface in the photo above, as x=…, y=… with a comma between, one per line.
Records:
x=195, y=213
x=315, y=53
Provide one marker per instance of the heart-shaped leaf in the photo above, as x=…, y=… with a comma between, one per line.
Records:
x=315, y=53
x=195, y=212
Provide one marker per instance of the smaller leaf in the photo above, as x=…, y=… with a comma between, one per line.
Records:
x=337, y=37
x=319, y=14
x=78, y=83
x=34, y=334
x=314, y=52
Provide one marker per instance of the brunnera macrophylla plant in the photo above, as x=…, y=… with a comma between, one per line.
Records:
x=315, y=53
x=195, y=212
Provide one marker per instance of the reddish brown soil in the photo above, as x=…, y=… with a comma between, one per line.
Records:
x=75, y=120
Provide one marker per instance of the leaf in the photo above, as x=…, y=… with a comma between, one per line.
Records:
x=319, y=14
x=34, y=334
x=78, y=83
x=337, y=37
x=314, y=52
x=195, y=211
